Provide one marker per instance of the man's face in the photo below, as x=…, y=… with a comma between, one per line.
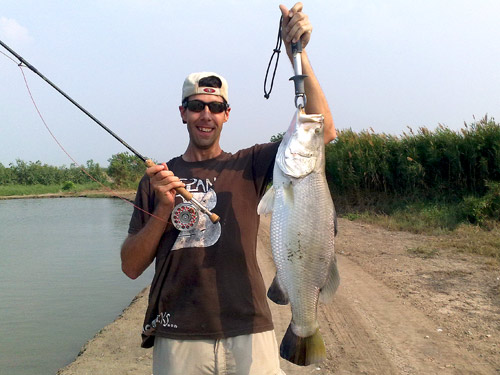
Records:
x=204, y=127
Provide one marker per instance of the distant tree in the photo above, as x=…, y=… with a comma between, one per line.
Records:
x=125, y=169
x=95, y=170
x=6, y=175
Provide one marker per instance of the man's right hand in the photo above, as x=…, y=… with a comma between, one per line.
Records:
x=139, y=250
x=164, y=183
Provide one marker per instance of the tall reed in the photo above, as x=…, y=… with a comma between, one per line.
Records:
x=429, y=164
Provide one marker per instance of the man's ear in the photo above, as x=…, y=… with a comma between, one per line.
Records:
x=226, y=114
x=182, y=111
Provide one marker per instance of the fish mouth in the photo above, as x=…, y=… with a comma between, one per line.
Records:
x=303, y=154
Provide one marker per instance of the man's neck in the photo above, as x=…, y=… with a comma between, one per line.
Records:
x=195, y=154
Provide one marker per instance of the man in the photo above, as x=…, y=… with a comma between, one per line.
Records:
x=208, y=312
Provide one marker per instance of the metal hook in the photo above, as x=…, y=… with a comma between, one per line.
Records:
x=304, y=101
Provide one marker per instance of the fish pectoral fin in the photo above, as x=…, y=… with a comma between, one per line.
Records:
x=288, y=194
x=266, y=204
x=276, y=294
x=332, y=283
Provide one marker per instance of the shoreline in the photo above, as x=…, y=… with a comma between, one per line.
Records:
x=117, y=194
x=116, y=348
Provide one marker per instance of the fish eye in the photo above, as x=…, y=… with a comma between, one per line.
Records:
x=316, y=130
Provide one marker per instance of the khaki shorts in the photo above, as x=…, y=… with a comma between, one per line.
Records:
x=255, y=354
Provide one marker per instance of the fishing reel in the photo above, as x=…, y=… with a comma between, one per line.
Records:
x=184, y=216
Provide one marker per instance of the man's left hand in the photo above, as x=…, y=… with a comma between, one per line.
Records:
x=296, y=25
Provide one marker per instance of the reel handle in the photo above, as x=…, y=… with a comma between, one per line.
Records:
x=214, y=218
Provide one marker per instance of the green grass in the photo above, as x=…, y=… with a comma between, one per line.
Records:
x=11, y=190
x=445, y=226
x=473, y=239
x=423, y=251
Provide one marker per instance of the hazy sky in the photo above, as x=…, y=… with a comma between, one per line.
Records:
x=384, y=65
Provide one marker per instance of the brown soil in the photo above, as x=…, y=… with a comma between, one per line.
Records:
x=398, y=311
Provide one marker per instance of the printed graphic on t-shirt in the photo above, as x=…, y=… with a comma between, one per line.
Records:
x=204, y=233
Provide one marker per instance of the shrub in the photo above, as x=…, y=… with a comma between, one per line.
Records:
x=424, y=164
x=125, y=169
x=68, y=185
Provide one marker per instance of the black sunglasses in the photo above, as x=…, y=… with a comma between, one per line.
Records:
x=198, y=106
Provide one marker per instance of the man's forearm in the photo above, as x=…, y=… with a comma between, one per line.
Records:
x=316, y=99
x=139, y=250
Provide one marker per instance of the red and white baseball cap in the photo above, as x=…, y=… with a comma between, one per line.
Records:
x=191, y=86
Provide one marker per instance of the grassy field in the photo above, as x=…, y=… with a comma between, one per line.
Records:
x=21, y=190
x=438, y=225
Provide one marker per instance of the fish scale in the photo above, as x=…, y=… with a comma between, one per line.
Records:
x=300, y=226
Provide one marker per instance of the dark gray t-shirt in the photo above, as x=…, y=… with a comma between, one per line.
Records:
x=207, y=282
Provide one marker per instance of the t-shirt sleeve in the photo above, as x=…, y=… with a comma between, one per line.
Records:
x=144, y=201
x=263, y=163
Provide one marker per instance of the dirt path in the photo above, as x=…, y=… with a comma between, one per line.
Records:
x=394, y=313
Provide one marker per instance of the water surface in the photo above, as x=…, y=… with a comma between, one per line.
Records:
x=60, y=278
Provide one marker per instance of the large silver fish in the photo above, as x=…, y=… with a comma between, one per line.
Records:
x=302, y=236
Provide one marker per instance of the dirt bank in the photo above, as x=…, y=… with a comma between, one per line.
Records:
x=121, y=194
x=397, y=311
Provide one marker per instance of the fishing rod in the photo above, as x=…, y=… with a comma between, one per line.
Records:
x=214, y=218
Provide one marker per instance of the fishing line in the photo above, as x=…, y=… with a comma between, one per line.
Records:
x=21, y=65
x=214, y=218
x=10, y=58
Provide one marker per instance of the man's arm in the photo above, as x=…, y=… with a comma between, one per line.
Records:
x=139, y=250
x=296, y=26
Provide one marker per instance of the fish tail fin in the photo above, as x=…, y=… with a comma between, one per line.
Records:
x=267, y=202
x=302, y=351
x=276, y=294
x=332, y=283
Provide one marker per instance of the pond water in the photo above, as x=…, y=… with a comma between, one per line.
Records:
x=60, y=278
